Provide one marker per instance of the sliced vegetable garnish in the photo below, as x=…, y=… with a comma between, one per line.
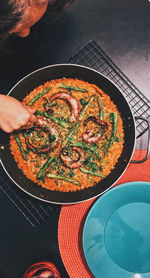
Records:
x=83, y=102
x=91, y=148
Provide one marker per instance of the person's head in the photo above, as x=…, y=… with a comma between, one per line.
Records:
x=18, y=16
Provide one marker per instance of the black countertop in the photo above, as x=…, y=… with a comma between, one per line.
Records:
x=122, y=29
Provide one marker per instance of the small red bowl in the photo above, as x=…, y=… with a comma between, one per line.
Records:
x=41, y=270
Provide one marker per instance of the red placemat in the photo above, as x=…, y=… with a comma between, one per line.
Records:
x=72, y=219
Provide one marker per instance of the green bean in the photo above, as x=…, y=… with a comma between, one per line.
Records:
x=91, y=172
x=69, y=135
x=20, y=146
x=39, y=150
x=77, y=124
x=114, y=129
x=44, y=167
x=83, y=102
x=88, y=147
x=46, y=115
x=85, y=108
x=25, y=133
x=53, y=176
x=42, y=113
x=39, y=95
x=73, y=88
x=101, y=115
x=59, y=122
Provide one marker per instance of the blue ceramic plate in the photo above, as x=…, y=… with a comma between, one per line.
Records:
x=116, y=234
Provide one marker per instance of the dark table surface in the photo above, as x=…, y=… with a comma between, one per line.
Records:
x=122, y=29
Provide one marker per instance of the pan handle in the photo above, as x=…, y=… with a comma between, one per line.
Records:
x=148, y=141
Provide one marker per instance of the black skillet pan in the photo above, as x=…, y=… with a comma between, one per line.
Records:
x=38, y=77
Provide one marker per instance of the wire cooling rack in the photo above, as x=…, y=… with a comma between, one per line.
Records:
x=35, y=211
x=93, y=56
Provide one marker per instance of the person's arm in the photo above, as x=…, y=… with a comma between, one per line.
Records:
x=13, y=114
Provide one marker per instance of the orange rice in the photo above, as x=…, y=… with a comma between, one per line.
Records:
x=34, y=162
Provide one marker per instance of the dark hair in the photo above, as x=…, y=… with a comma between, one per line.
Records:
x=12, y=12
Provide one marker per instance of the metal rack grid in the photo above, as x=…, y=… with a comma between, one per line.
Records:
x=91, y=55
x=35, y=211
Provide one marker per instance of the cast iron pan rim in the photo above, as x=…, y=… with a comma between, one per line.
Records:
x=71, y=65
x=78, y=66
x=131, y=152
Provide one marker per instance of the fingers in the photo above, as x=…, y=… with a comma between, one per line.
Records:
x=13, y=114
x=33, y=118
x=30, y=110
x=16, y=117
x=14, y=123
x=10, y=126
x=6, y=129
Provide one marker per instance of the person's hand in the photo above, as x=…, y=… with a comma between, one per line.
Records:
x=13, y=115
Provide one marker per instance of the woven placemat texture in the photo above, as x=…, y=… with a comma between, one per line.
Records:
x=72, y=219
